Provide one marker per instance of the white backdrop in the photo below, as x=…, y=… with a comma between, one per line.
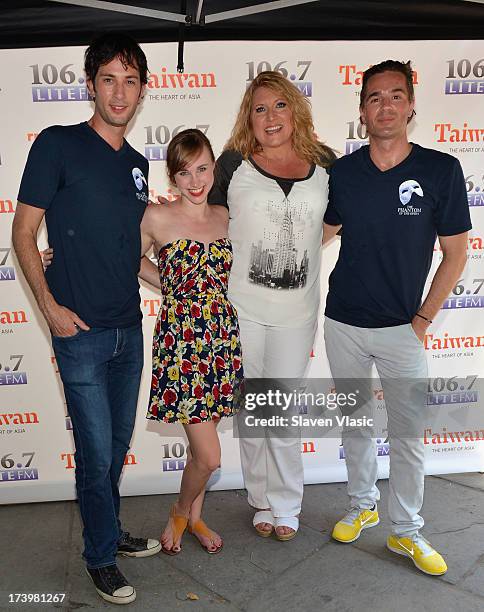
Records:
x=41, y=87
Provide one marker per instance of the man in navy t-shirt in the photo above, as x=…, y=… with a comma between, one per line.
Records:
x=91, y=185
x=393, y=199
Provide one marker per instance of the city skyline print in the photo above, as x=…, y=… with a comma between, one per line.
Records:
x=275, y=261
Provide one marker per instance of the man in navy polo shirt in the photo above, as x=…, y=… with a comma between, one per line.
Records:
x=392, y=198
x=91, y=185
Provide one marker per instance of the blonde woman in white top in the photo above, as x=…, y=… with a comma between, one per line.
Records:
x=272, y=176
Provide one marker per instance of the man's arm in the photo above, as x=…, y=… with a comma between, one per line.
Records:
x=61, y=320
x=148, y=270
x=454, y=250
x=329, y=232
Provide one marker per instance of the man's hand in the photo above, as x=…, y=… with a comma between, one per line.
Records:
x=62, y=321
x=163, y=200
x=420, y=327
x=454, y=257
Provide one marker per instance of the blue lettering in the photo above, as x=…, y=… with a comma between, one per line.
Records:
x=13, y=378
x=354, y=145
x=475, y=199
x=471, y=301
x=458, y=86
x=7, y=273
x=9, y=475
x=55, y=93
x=173, y=465
x=305, y=88
x=464, y=397
x=156, y=153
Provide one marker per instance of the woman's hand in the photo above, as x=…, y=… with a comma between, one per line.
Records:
x=47, y=255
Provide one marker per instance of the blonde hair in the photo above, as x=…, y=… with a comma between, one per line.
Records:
x=304, y=141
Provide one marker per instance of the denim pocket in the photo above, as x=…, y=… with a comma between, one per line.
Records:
x=62, y=338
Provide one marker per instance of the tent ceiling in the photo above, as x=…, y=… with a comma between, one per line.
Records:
x=37, y=23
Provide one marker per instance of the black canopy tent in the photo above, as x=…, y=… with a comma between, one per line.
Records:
x=40, y=23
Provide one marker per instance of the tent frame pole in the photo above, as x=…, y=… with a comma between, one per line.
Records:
x=125, y=8
x=254, y=9
x=199, y=18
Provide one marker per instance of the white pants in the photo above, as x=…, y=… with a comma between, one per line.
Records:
x=272, y=467
x=398, y=356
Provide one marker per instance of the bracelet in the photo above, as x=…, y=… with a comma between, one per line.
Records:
x=424, y=318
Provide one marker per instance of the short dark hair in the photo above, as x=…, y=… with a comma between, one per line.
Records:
x=107, y=47
x=389, y=66
x=183, y=148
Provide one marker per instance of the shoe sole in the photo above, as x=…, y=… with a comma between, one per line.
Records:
x=142, y=553
x=285, y=537
x=210, y=552
x=110, y=598
x=194, y=532
x=170, y=552
x=365, y=526
x=398, y=551
x=264, y=533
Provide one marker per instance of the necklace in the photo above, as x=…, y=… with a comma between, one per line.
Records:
x=283, y=168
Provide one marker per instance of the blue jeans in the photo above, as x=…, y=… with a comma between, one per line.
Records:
x=101, y=372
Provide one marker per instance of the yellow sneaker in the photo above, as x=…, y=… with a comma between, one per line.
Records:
x=420, y=551
x=349, y=528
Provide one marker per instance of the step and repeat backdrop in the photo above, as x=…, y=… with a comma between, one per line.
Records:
x=41, y=87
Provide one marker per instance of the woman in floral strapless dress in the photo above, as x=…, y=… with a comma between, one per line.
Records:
x=197, y=368
x=196, y=348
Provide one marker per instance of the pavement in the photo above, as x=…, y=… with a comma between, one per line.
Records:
x=41, y=548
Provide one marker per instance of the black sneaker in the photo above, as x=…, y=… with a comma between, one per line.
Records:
x=137, y=547
x=112, y=585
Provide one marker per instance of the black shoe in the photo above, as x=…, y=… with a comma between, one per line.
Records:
x=112, y=585
x=137, y=547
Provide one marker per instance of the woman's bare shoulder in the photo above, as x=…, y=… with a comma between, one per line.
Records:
x=155, y=210
x=220, y=210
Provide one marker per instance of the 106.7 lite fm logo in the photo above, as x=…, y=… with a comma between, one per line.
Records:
x=158, y=137
x=468, y=293
x=475, y=189
x=464, y=415
x=382, y=448
x=51, y=83
x=357, y=136
x=296, y=72
x=174, y=457
x=18, y=467
x=10, y=372
x=6, y=272
x=452, y=390
x=464, y=76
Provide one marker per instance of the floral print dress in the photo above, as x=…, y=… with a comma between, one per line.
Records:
x=197, y=361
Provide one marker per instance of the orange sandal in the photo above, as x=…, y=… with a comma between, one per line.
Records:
x=201, y=528
x=180, y=523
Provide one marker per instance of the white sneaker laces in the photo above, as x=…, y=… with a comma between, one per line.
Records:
x=352, y=515
x=423, y=544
